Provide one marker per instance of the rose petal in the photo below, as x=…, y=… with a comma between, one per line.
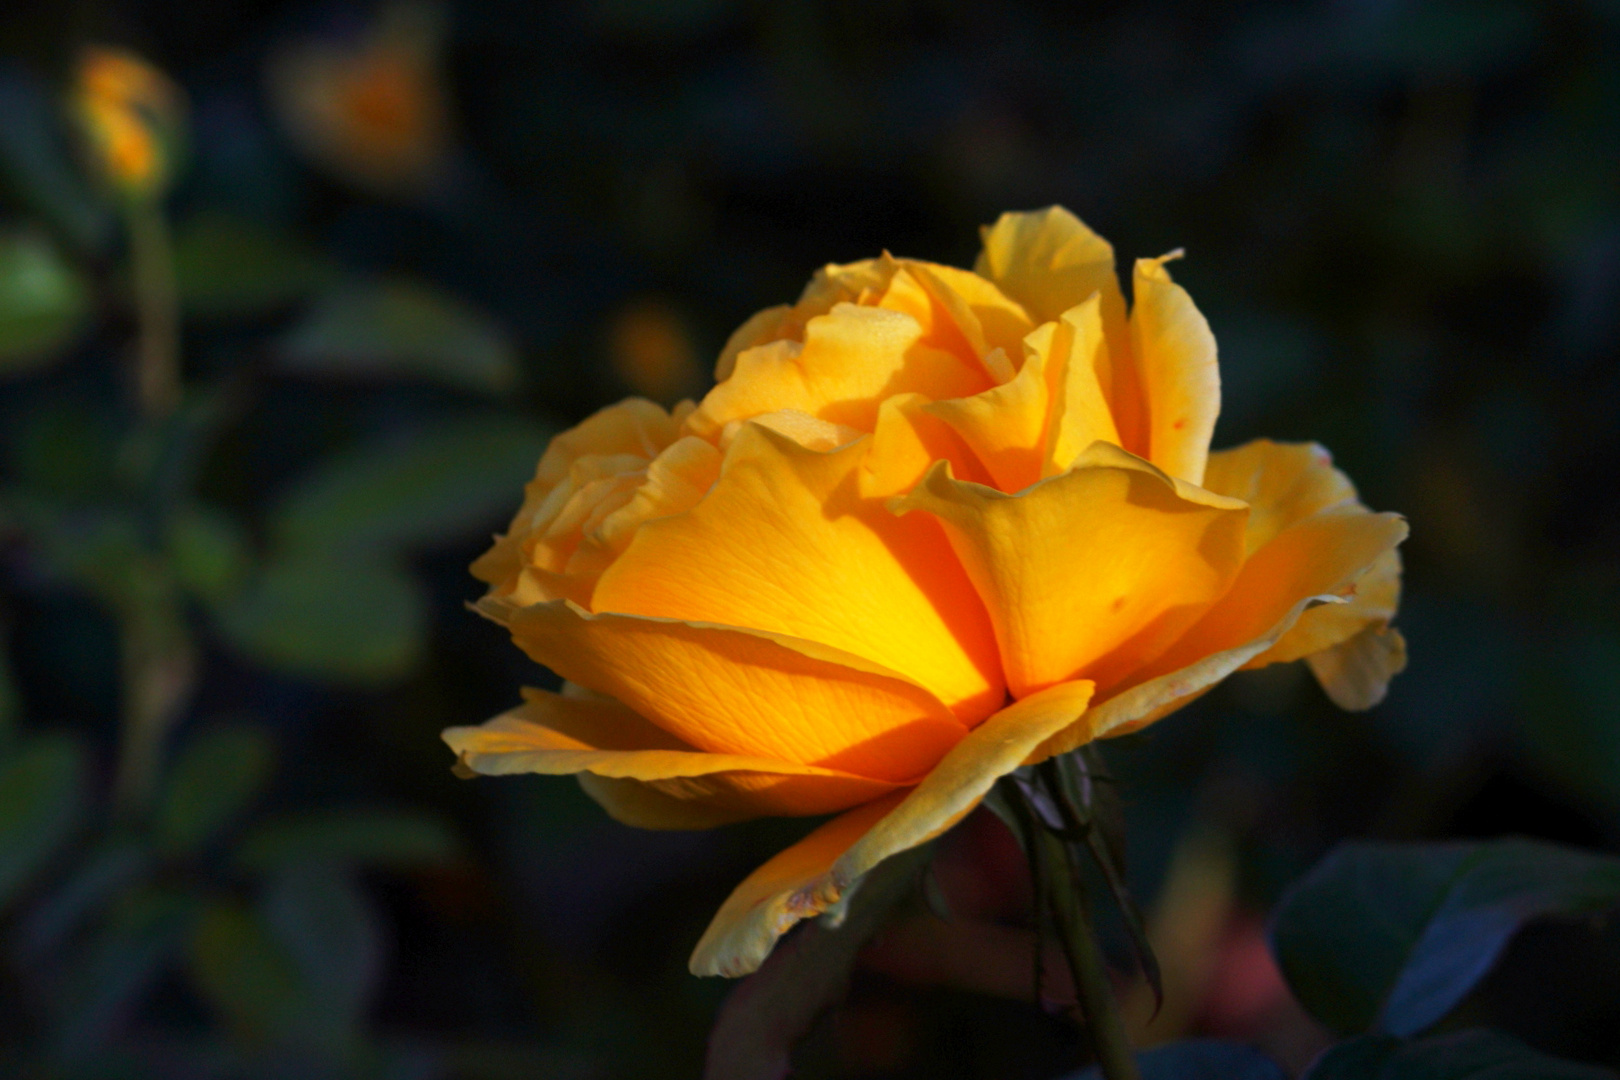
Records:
x=1092, y=573
x=556, y=736
x=785, y=543
x=1175, y=362
x=814, y=874
x=727, y=689
x=850, y=359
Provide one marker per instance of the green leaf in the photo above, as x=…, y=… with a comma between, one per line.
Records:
x=1392, y=937
x=120, y=961
x=768, y=1012
x=36, y=163
x=226, y=267
x=249, y=977
x=386, y=838
x=1477, y=1054
x=325, y=922
x=208, y=552
x=349, y=620
x=42, y=797
x=1200, y=1059
x=394, y=329
x=435, y=485
x=44, y=301
x=217, y=774
x=101, y=874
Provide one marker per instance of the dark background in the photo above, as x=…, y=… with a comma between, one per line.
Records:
x=1402, y=220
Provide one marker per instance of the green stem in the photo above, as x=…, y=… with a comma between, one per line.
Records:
x=1096, y=997
x=157, y=309
x=158, y=669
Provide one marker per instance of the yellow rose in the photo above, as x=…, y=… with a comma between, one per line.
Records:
x=929, y=526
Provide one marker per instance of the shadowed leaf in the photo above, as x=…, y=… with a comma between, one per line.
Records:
x=44, y=302
x=396, y=329
x=248, y=977
x=36, y=162
x=122, y=958
x=224, y=267
x=1463, y=1055
x=218, y=773
x=1200, y=1059
x=41, y=800
x=1392, y=937
x=385, y=838
x=325, y=922
x=441, y=482
x=354, y=621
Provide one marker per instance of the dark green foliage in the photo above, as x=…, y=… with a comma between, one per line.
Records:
x=43, y=302
x=42, y=800
x=1464, y=1055
x=1391, y=937
x=1201, y=1059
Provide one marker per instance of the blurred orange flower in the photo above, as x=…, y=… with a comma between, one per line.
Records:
x=132, y=118
x=651, y=350
x=930, y=525
x=371, y=111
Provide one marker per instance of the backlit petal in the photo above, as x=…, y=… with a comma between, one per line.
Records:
x=1355, y=673
x=732, y=690
x=1092, y=573
x=1318, y=557
x=1288, y=482
x=1281, y=482
x=785, y=543
x=1175, y=362
x=814, y=874
x=555, y=735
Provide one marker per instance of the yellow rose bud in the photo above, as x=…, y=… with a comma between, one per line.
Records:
x=931, y=525
x=132, y=117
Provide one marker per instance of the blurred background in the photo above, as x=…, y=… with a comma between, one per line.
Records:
x=410, y=242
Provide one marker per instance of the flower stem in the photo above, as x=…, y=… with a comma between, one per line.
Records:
x=157, y=364
x=1096, y=997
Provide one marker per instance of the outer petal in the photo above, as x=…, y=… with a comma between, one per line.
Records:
x=1285, y=483
x=786, y=544
x=1304, y=569
x=1355, y=673
x=815, y=873
x=850, y=359
x=725, y=689
x=555, y=736
x=1092, y=573
x=1175, y=361
x=760, y=328
x=1318, y=558
x=1281, y=482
